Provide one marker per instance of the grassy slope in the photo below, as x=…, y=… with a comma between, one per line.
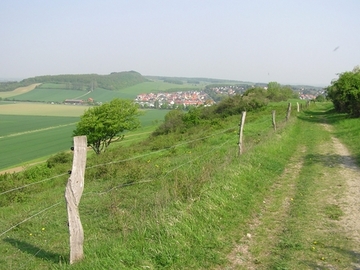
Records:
x=180, y=209
x=189, y=206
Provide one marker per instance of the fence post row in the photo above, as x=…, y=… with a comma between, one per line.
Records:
x=274, y=119
x=73, y=192
x=241, y=129
x=288, y=112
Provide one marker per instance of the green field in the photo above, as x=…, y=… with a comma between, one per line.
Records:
x=58, y=93
x=32, y=130
x=24, y=138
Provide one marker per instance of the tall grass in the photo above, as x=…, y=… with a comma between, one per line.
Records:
x=174, y=201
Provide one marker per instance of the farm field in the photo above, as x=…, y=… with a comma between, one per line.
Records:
x=18, y=91
x=49, y=92
x=41, y=109
x=32, y=131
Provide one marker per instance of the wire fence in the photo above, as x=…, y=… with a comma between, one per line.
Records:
x=121, y=185
x=117, y=161
x=144, y=181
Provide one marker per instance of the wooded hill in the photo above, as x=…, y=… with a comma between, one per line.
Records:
x=86, y=82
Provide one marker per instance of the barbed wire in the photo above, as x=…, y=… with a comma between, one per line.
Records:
x=158, y=151
x=115, y=162
x=34, y=183
x=23, y=221
x=151, y=180
x=116, y=187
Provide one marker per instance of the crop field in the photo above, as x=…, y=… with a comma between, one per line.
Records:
x=157, y=86
x=15, y=125
x=35, y=131
x=50, y=95
x=58, y=92
x=18, y=91
x=29, y=146
x=41, y=109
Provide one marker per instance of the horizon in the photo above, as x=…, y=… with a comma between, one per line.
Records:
x=236, y=81
x=289, y=42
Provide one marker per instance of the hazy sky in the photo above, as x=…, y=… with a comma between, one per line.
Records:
x=288, y=41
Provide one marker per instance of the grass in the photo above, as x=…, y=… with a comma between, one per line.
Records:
x=174, y=208
x=299, y=223
x=184, y=201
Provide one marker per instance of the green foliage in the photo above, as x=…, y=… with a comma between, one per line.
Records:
x=9, y=86
x=102, y=124
x=88, y=82
x=174, y=81
x=177, y=121
x=345, y=93
x=320, y=98
x=173, y=122
x=276, y=92
x=59, y=158
x=252, y=99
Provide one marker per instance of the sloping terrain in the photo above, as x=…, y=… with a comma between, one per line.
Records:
x=310, y=219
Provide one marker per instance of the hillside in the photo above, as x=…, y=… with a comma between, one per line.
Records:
x=85, y=82
x=187, y=201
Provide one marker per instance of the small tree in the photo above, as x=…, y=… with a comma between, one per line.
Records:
x=102, y=124
x=345, y=92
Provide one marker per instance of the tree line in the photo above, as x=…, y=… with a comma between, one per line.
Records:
x=84, y=82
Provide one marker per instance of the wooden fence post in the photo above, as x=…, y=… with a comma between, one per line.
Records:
x=73, y=192
x=274, y=119
x=241, y=129
x=298, y=106
x=288, y=112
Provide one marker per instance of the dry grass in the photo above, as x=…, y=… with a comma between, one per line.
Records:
x=19, y=91
x=42, y=109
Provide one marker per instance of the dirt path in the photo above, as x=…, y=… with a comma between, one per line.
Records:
x=340, y=179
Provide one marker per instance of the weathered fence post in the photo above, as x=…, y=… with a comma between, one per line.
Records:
x=274, y=119
x=288, y=112
x=241, y=129
x=298, y=106
x=73, y=192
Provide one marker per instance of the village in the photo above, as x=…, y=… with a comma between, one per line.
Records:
x=180, y=99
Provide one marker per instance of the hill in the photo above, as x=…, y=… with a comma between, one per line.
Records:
x=85, y=82
x=186, y=200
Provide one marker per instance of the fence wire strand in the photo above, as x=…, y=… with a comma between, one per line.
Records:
x=21, y=222
x=115, y=162
x=119, y=186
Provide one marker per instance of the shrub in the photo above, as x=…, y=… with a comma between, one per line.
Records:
x=60, y=158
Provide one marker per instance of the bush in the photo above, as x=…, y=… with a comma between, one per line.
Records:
x=60, y=158
x=173, y=122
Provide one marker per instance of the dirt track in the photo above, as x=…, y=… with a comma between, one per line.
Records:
x=338, y=185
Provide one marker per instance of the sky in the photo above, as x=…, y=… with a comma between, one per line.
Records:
x=286, y=41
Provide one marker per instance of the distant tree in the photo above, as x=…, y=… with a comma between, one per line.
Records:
x=276, y=92
x=102, y=124
x=345, y=92
x=320, y=98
